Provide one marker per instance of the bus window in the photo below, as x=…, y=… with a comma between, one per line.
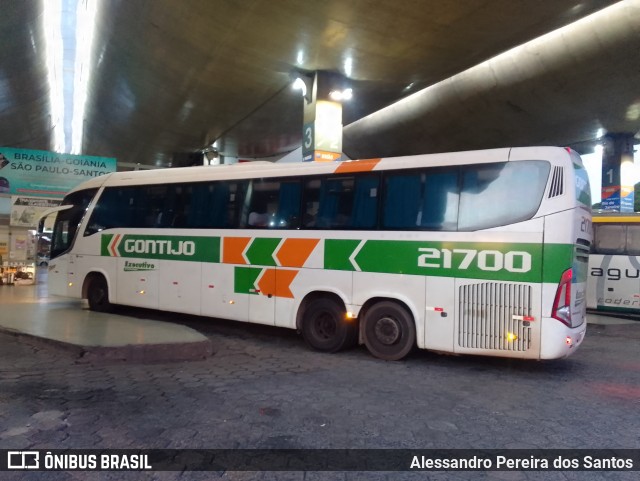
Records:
x=155, y=208
x=610, y=239
x=212, y=205
x=115, y=208
x=633, y=240
x=311, y=203
x=440, y=201
x=341, y=202
x=67, y=221
x=403, y=192
x=498, y=194
x=365, y=202
x=288, y=212
x=273, y=204
x=425, y=199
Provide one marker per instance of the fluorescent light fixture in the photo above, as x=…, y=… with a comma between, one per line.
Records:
x=52, y=21
x=633, y=111
x=299, y=84
x=85, y=32
x=340, y=95
x=348, y=66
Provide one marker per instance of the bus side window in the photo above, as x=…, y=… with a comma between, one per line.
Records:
x=633, y=240
x=113, y=209
x=180, y=203
x=154, y=207
x=403, y=192
x=237, y=193
x=610, y=239
x=335, y=203
x=262, y=204
x=311, y=195
x=502, y=193
x=440, y=202
x=289, y=204
x=365, y=202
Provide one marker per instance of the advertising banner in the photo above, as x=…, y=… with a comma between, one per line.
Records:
x=25, y=211
x=39, y=173
x=19, y=244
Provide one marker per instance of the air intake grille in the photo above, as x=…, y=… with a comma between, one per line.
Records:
x=557, y=182
x=583, y=248
x=487, y=316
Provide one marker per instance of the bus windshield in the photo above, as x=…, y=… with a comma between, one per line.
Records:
x=67, y=221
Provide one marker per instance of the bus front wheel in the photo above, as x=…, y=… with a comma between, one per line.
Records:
x=389, y=331
x=98, y=294
x=325, y=326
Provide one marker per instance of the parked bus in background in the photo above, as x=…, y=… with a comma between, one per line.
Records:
x=480, y=252
x=614, y=263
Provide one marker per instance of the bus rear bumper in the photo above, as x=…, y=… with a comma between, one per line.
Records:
x=559, y=340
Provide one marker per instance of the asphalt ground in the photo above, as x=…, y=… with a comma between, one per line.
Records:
x=264, y=388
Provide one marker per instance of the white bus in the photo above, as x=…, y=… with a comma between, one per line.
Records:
x=479, y=252
x=614, y=263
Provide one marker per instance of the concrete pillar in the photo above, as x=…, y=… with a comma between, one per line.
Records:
x=617, y=171
x=322, y=128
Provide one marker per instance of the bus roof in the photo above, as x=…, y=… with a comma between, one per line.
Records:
x=248, y=170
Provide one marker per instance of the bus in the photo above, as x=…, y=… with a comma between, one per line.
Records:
x=614, y=264
x=480, y=252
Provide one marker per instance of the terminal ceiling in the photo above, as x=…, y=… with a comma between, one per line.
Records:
x=167, y=77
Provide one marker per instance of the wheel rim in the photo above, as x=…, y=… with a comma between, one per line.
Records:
x=325, y=326
x=387, y=330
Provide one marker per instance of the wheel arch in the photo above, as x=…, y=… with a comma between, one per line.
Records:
x=313, y=295
x=92, y=275
x=377, y=299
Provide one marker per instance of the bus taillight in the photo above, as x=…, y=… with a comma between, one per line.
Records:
x=562, y=303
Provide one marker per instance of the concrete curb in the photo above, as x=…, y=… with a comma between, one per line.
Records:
x=173, y=352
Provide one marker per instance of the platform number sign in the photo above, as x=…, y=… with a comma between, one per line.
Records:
x=308, y=141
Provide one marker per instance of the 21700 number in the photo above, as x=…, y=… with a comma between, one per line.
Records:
x=485, y=260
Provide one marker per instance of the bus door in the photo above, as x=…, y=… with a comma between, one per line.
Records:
x=53, y=239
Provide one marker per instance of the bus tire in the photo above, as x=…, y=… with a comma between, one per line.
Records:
x=98, y=294
x=325, y=326
x=389, y=331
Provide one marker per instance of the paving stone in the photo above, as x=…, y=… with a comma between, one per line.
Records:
x=263, y=391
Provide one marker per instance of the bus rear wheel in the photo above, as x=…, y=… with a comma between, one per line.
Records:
x=326, y=328
x=98, y=294
x=389, y=331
